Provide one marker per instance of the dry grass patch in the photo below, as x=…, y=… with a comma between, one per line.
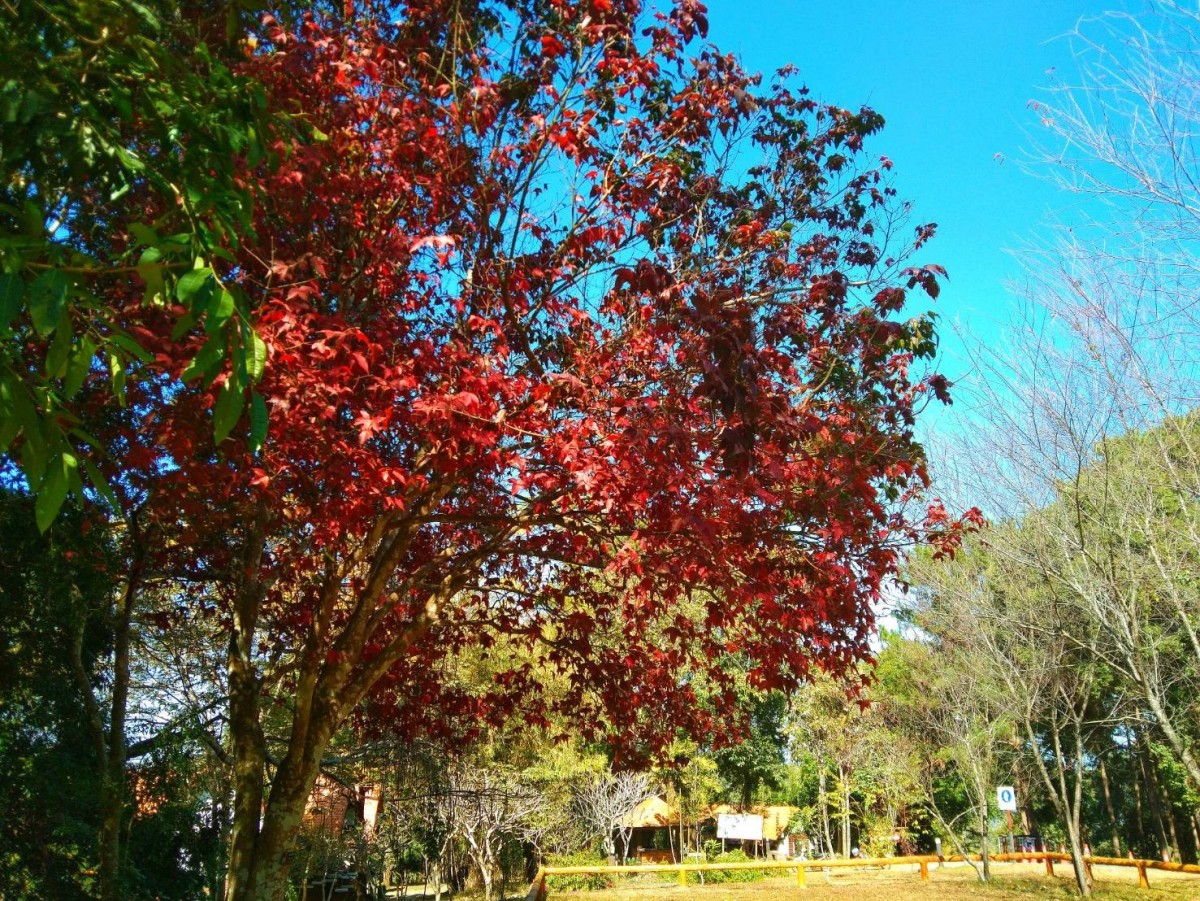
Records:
x=1010, y=881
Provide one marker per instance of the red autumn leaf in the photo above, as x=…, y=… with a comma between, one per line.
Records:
x=552, y=46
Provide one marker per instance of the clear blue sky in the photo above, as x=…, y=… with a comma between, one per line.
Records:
x=953, y=80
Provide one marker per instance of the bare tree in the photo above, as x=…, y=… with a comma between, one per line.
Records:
x=1028, y=647
x=1081, y=436
x=605, y=804
x=492, y=806
x=953, y=711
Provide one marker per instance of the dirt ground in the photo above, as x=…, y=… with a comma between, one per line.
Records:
x=1011, y=880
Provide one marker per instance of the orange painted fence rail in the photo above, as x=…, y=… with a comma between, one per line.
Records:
x=538, y=891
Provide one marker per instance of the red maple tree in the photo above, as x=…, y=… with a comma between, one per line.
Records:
x=578, y=338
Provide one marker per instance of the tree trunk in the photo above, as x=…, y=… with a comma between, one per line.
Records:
x=1082, y=882
x=485, y=874
x=1169, y=816
x=260, y=858
x=248, y=745
x=844, y=778
x=1028, y=825
x=1166, y=724
x=1074, y=805
x=824, y=802
x=265, y=826
x=264, y=876
x=985, y=867
x=1108, y=804
x=249, y=763
x=1067, y=798
x=109, y=741
x=1195, y=836
x=113, y=780
x=1152, y=794
x=1137, y=795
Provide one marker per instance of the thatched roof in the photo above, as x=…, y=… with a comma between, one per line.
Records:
x=653, y=813
x=656, y=813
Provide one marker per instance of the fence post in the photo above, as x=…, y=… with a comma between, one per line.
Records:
x=1049, y=863
x=1143, y=879
x=924, y=870
x=683, y=877
x=537, y=891
x=800, y=877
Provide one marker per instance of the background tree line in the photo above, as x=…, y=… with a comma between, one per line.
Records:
x=1071, y=624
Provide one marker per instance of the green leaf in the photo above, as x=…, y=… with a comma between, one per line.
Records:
x=144, y=234
x=256, y=359
x=130, y=347
x=130, y=161
x=60, y=349
x=48, y=299
x=149, y=18
x=52, y=491
x=192, y=283
x=10, y=425
x=227, y=410
x=12, y=292
x=220, y=308
x=183, y=326
x=96, y=477
x=116, y=373
x=150, y=268
x=122, y=99
x=207, y=359
x=34, y=221
x=258, y=421
x=80, y=365
x=24, y=413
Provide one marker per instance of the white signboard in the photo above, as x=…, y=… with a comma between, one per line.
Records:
x=740, y=826
x=1006, y=798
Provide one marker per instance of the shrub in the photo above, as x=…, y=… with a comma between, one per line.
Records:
x=586, y=883
x=736, y=856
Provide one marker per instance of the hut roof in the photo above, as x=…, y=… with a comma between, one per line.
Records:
x=653, y=813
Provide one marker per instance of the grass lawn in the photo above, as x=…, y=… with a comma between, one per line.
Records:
x=1010, y=880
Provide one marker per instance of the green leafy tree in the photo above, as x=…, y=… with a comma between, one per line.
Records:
x=757, y=761
x=51, y=642
x=127, y=136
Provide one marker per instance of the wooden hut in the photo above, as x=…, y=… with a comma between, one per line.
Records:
x=648, y=825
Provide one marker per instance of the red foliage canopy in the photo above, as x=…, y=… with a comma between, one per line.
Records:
x=575, y=342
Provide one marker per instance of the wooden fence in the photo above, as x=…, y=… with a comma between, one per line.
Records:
x=538, y=891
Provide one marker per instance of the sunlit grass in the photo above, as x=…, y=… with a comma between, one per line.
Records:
x=904, y=884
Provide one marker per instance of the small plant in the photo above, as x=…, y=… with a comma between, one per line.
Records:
x=582, y=883
x=736, y=856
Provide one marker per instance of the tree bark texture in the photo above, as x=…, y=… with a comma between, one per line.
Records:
x=1108, y=804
